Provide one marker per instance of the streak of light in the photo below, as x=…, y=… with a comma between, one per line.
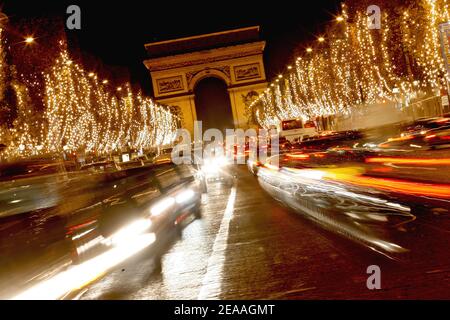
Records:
x=354, y=176
x=297, y=156
x=443, y=161
x=78, y=236
x=319, y=175
x=405, y=187
x=307, y=173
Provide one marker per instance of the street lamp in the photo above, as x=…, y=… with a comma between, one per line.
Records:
x=29, y=40
x=321, y=39
x=309, y=50
x=340, y=19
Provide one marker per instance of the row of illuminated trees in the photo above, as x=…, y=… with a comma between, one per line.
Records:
x=79, y=112
x=352, y=64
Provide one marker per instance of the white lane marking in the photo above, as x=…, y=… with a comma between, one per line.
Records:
x=212, y=281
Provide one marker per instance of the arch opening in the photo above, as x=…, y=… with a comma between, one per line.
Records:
x=213, y=105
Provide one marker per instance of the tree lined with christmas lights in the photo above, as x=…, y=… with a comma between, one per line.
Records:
x=3, y=110
x=354, y=65
x=82, y=114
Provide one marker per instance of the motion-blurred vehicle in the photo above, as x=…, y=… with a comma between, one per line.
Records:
x=285, y=144
x=350, y=192
x=429, y=133
x=165, y=156
x=218, y=169
x=96, y=222
x=422, y=125
x=329, y=140
x=31, y=185
x=438, y=138
x=296, y=129
x=162, y=197
x=102, y=166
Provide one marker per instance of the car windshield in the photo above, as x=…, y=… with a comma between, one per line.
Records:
x=292, y=124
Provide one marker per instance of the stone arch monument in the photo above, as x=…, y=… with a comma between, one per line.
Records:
x=234, y=56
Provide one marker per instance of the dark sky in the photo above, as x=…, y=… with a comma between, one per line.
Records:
x=117, y=31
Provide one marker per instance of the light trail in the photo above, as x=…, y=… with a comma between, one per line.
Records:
x=79, y=276
x=418, y=161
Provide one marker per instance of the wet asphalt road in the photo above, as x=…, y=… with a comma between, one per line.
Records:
x=248, y=246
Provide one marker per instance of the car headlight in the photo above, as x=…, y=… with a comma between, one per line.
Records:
x=214, y=165
x=185, y=196
x=162, y=206
x=132, y=230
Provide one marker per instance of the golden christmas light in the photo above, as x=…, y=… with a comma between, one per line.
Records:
x=82, y=115
x=29, y=40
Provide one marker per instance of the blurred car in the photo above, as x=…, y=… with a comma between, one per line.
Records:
x=324, y=193
x=422, y=125
x=285, y=144
x=438, y=138
x=218, y=169
x=165, y=156
x=137, y=162
x=329, y=140
x=424, y=134
x=101, y=166
x=297, y=129
x=31, y=185
x=133, y=214
x=161, y=196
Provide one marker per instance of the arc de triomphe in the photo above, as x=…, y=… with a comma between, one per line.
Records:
x=234, y=56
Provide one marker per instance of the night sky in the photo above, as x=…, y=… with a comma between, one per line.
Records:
x=116, y=31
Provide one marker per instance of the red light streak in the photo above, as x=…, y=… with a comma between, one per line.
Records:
x=405, y=187
x=298, y=156
x=418, y=161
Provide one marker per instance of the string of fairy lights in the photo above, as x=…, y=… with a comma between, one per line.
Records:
x=355, y=65
x=84, y=114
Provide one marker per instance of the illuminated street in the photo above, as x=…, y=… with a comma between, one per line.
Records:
x=240, y=159
x=270, y=252
x=247, y=245
x=265, y=251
